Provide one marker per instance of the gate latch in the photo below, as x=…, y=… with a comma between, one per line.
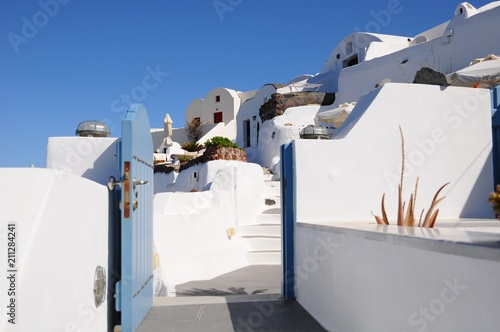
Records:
x=139, y=182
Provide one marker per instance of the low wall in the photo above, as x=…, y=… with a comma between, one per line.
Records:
x=61, y=236
x=358, y=276
x=191, y=237
x=447, y=134
x=386, y=278
x=219, y=129
x=191, y=227
x=93, y=158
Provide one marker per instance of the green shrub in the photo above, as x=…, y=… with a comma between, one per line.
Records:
x=192, y=146
x=219, y=141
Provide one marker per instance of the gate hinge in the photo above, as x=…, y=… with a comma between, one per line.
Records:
x=118, y=296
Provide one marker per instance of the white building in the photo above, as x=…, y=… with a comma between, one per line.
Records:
x=216, y=112
x=366, y=58
x=361, y=61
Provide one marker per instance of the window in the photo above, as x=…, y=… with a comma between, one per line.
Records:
x=348, y=48
x=217, y=98
x=246, y=133
x=258, y=132
x=350, y=61
x=217, y=117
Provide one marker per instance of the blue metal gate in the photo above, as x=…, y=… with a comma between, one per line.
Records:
x=134, y=290
x=495, y=112
x=288, y=221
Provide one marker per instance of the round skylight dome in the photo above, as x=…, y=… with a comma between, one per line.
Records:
x=92, y=128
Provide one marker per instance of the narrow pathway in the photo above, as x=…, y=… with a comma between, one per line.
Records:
x=248, y=299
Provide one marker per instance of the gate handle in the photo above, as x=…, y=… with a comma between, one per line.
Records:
x=139, y=182
x=112, y=183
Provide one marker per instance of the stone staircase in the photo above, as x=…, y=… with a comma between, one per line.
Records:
x=264, y=237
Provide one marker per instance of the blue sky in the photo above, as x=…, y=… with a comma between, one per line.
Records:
x=66, y=61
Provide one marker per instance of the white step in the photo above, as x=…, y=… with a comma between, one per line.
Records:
x=265, y=219
x=259, y=243
x=259, y=230
x=267, y=177
x=264, y=257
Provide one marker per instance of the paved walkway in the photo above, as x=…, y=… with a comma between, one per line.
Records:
x=248, y=299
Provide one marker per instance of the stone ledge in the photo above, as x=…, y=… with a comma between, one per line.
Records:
x=280, y=102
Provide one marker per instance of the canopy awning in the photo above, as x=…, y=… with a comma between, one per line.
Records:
x=485, y=73
x=335, y=116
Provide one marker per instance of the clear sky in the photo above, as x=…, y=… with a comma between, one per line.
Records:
x=66, y=61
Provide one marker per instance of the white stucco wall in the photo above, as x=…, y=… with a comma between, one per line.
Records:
x=246, y=95
x=90, y=157
x=219, y=129
x=191, y=238
x=61, y=237
x=278, y=131
x=200, y=177
x=191, y=227
x=248, y=110
x=229, y=104
x=386, y=281
x=447, y=139
x=164, y=182
x=194, y=110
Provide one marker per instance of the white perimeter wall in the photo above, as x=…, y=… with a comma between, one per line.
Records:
x=61, y=237
x=191, y=227
x=447, y=139
x=90, y=157
x=356, y=283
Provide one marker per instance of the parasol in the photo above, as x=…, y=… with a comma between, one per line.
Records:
x=485, y=74
x=336, y=116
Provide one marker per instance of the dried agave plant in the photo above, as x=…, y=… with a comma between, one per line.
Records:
x=408, y=218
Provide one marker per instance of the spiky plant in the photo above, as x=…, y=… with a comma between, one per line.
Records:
x=192, y=146
x=408, y=218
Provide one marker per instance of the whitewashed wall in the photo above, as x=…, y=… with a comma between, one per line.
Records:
x=278, y=131
x=220, y=129
x=447, y=139
x=362, y=281
x=191, y=238
x=164, y=182
x=191, y=227
x=93, y=158
x=61, y=237
x=229, y=104
x=388, y=278
x=248, y=110
x=194, y=109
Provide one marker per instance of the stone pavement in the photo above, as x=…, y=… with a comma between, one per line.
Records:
x=248, y=299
